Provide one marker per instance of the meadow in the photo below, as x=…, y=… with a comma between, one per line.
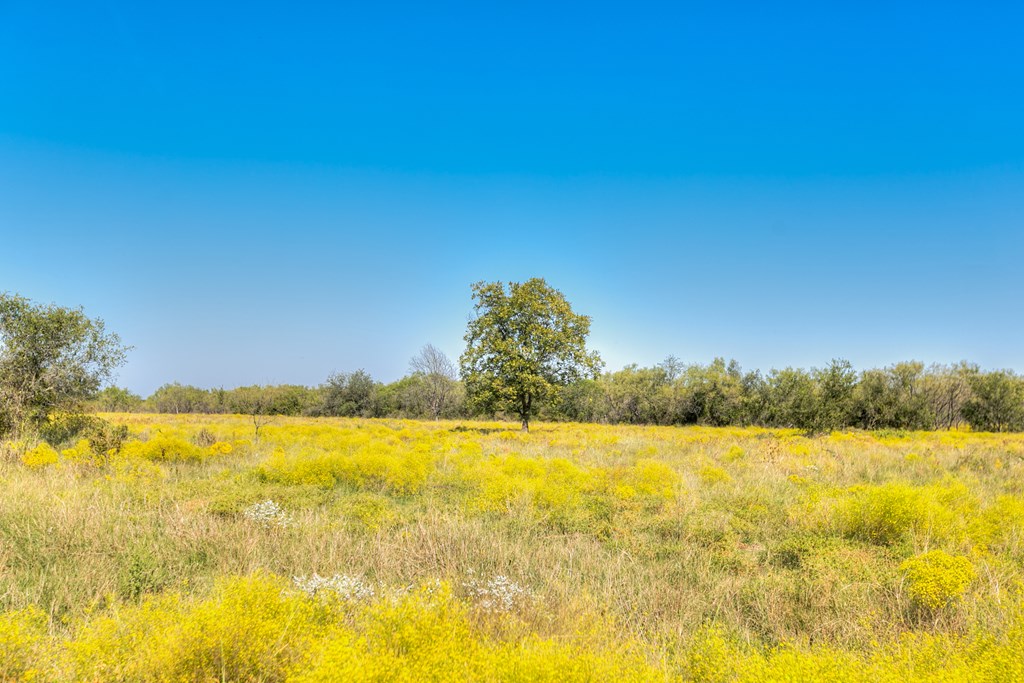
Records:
x=393, y=550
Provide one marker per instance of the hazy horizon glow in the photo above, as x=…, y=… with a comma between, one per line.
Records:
x=252, y=195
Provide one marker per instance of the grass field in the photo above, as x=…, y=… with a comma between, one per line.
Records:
x=410, y=551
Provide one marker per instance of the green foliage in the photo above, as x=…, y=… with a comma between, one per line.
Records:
x=284, y=399
x=835, y=387
x=177, y=398
x=712, y=395
x=904, y=397
x=997, y=403
x=790, y=399
x=892, y=398
x=348, y=394
x=636, y=396
x=117, y=400
x=523, y=346
x=63, y=430
x=946, y=389
x=141, y=572
x=52, y=360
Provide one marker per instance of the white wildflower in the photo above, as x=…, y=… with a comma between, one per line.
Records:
x=268, y=514
x=497, y=594
x=344, y=586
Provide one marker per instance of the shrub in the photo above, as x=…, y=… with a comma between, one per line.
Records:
x=41, y=456
x=25, y=653
x=82, y=453
x=735, y=453
x=204, y=438
x=163, y=449
x=421, y=636
x=374, y=467
x=1000, y=527
x=106, y=437
x=709, y=474
x=886, y=513
x=935, y=578
x=369, y=511
x=67, y=428
x=251, y=629
x=220, y=448
x=650, y=479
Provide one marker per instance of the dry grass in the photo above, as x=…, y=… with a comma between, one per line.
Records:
x=655, y=534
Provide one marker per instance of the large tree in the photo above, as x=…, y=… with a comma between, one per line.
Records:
x=523, y=346
x=52, y=359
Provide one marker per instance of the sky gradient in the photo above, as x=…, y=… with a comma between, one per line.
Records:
x=262, y=193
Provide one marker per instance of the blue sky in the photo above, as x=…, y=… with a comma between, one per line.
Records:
x=260, y=193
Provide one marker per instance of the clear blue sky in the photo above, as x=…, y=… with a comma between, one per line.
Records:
x=257, y=192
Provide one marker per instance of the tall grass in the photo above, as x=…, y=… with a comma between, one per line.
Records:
x=636, y=553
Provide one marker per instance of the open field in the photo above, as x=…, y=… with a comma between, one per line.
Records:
x=346, y=549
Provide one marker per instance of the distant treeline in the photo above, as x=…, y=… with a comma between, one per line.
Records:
x=902, y=396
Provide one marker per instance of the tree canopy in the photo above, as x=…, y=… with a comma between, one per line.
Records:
x=52, y=359
x=523, y=346
x=526, y=356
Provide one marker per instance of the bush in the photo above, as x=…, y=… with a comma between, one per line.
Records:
x=67, y=429
x=163, y=449
x=82, y=453
x=934, y=579
x=250, y=629
x=369, y=511
x=25, y=652
x=374, y=467
x=886, y=513
x=709, y=474
x=41, y=456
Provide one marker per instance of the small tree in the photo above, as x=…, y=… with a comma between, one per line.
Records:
x=947, y=389
x=636, y=395
x=117, y=400
x=712, y=394
x=52, y=359
x=254, y=401
x=178, y=398
x=348, y=394
x=523, y=346
x=835, y=384
x=790, y=400
x=438, y=374
x=997, y=402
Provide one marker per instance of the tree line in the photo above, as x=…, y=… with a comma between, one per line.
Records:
x=906, y=396
x=525, y=357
